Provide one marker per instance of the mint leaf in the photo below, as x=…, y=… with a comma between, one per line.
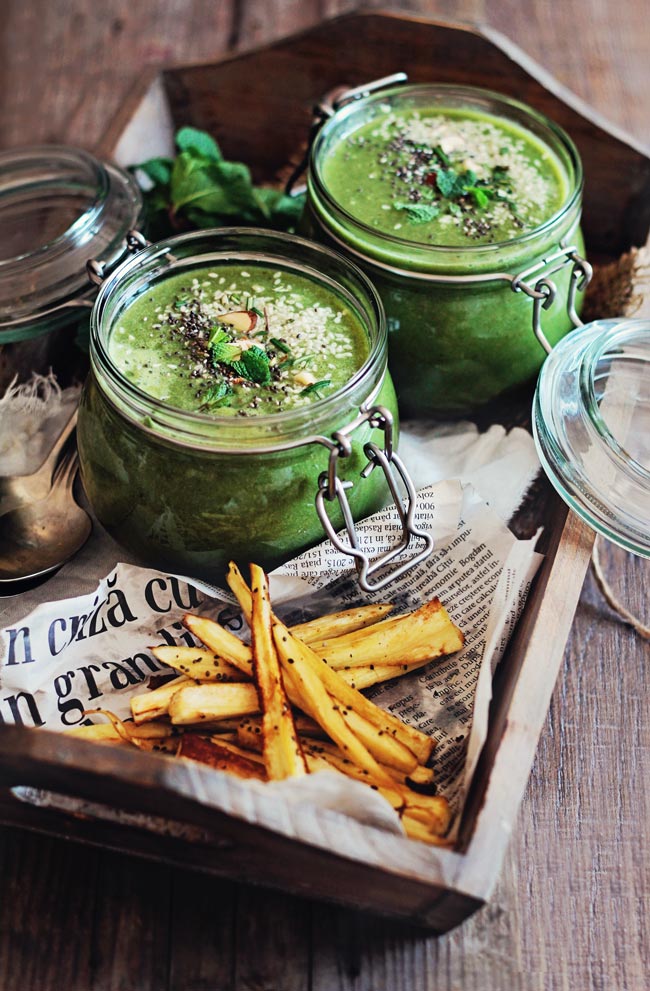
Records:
x=158, y=170
x=225, y=352
x=216, y=395
x=256, y=365
x=199, y=142
x=480, y=196
x=280, y=210
x=223, y=188
x=200, y=189
x=218, y=336
x=446, y=180
x=451, y=184
x=419, y=213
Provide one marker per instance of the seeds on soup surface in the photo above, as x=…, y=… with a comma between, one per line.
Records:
x=492, y=179
x=288, y=345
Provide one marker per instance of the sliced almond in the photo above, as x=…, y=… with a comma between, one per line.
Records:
x=304, y=378
x=243, y=321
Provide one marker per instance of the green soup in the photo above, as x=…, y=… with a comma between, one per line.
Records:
x=444, y=196
x=451, y=178
x=236, y=342
x=191, y=454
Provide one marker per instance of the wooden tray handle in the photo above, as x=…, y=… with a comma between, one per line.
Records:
x=122, y=778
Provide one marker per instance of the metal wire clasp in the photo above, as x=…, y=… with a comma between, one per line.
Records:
x=544, y=291
x=327, y=106
x=331, y=488
x=97, y=271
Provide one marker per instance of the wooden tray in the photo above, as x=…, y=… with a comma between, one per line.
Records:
x=259, y=107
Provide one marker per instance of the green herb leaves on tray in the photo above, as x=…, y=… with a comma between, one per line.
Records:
x=199, y=188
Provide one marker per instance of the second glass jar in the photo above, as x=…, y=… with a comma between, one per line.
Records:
x=460, y=321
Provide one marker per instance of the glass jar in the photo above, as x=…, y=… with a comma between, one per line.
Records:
x=459, y=318
x=188, y=491
x=591, y=423
x=58, y=207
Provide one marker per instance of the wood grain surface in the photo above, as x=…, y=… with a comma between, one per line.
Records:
x=571, y=908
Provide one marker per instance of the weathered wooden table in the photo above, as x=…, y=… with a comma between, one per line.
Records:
x=570, y=909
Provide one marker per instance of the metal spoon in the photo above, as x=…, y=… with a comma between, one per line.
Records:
x=38, y=537
x=15, y=490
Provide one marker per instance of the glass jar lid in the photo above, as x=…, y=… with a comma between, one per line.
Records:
x=591, y=422
x=58, y=207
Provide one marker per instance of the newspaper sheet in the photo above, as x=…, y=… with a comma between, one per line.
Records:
x=91, y=650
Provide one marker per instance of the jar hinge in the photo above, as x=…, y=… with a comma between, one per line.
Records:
x=544, y=291
x=332, y=101
x=97, y=271
x=331, y=487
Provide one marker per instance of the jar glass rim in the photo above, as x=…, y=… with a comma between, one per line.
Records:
x=589, y=423
x=59, y=206
x=212, y=246
x=86, y=168
x=469, y=93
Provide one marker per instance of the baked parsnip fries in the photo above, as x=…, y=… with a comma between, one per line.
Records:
x=290, y=704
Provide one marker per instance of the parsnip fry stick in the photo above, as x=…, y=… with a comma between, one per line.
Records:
x=324, y=709
x=198, y=663
x=220, y=757
x=234, y=748
x=339, y=623
x=283, y=757
x=221, y=642
x=99, y=733
x=333, y=625
x=421, y=744
x=206, y=703
x=384, y=747
x=240, y=590
x=366, y=677
x=433, y=812
x=154, y=704
x=417, y=830
x=419, y=636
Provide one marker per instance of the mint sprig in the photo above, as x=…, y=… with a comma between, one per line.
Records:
x=200, y=188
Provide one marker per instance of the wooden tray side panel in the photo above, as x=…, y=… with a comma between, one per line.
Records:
x=377, y=871
x=268, y=125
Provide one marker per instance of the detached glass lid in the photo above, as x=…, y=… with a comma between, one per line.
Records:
x=591, y=422
x=58, y=208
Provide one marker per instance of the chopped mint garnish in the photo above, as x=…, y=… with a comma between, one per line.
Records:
x=480, y=196
x=441, y=155
x=218, y=336
x=225, y=352
x=254, y=366
x=315, y=388
x=419, y=213
x=216, y=395
x=280, y=345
